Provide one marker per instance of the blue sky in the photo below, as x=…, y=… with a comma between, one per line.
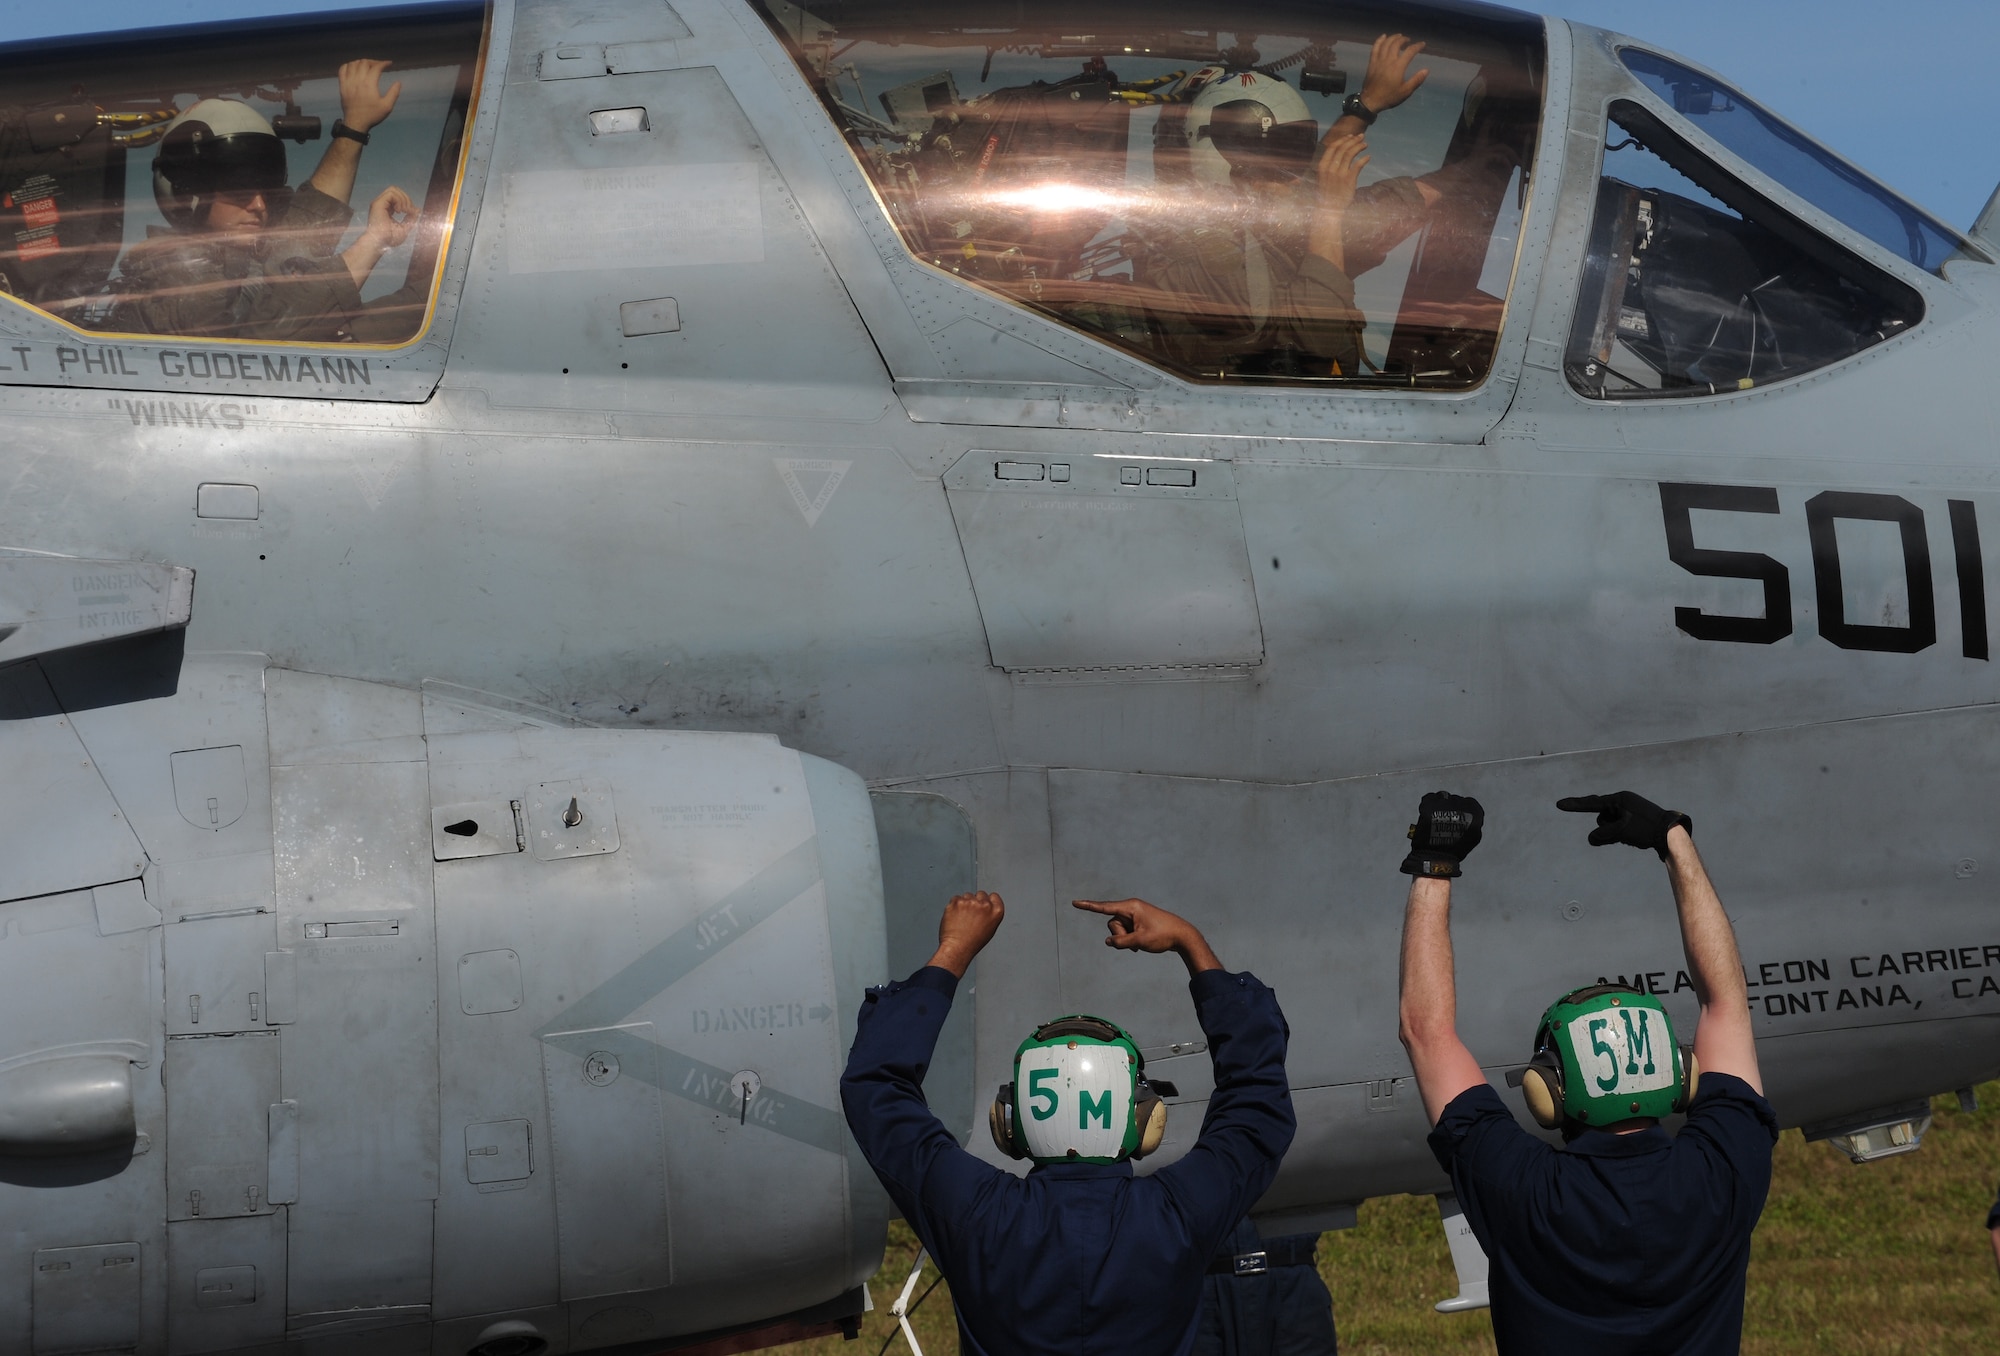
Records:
x=1907, y=91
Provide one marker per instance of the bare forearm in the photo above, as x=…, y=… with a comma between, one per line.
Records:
x=1327, y=238
x=1430, y=989
x=1724, y=1039
x=361, y=258
x=1429, y=1027
x=954, y=955
x=1196, y=954
x=1714, y=964
x=337, y=168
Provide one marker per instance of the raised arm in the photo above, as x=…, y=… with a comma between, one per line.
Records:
x=1447, y=828
x=1249, y=1123
x=1135, y=925
x=1724, y=1041
x=1386, y=84
x=390, y=218
x=882, y=1089
x=364, y=104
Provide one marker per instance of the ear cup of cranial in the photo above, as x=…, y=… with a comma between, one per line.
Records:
x=1155, y=1128
x=1000, y=1121
x=1541, y=1085
x=1542, y=1088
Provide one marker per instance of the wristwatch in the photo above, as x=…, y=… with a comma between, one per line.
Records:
x=1352, y=108
x=341, y=129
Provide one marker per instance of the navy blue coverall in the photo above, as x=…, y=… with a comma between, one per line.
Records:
x=1282, y=1310
x=1074, y=1257
x=1637, y=1244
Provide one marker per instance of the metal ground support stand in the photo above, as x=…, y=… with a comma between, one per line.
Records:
x=900, y=1310
x=1468, y=1259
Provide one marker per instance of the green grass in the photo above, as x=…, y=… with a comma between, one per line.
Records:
x=1890, y=1259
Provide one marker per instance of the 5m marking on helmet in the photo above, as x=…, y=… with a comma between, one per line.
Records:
x=1623, y=1050
x=1087, y=1107
x=1079, y=1095
x=1089, y=1084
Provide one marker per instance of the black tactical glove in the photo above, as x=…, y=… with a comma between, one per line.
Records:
x=1626, y=817
x=1447, y=828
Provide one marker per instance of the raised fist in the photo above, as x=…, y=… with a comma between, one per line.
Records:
x=1447, y=828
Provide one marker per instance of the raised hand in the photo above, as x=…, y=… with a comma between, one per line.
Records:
x=1135, y=925
x=1388, y=81
x=1629, y=818
x=1341, y=157
x=391, y=217
x=1448, y=827
x=968, y=924
x=363, y=101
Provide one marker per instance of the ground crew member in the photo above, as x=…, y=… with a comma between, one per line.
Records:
x=1993, y=1227
x=1079, y=1255
x=1626, y=1240
x=1264, y=1297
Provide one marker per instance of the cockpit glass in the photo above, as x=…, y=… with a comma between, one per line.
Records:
x=1796, y=161
x=285, y=180
x=1266, y=191
x=1694, y=285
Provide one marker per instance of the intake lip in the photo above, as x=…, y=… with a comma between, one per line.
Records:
x=67, y=1105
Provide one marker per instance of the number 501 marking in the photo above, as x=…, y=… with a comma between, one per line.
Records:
x=1822, y=511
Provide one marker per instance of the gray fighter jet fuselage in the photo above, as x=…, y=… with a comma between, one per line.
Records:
x=466, y=753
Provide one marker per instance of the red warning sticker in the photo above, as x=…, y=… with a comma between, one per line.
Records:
x=40, y=212
x=37, y=244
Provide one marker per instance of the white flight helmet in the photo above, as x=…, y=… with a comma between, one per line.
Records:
x=1247, y=121
x=218, y=145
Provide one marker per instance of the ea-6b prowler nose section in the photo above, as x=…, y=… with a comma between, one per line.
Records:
x=470, y=1019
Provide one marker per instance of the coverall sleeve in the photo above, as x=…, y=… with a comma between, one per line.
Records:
x=1326, y=322
x=921, y=1165
x=1493, y=1163
x=1249, y=1124
x=312, y=224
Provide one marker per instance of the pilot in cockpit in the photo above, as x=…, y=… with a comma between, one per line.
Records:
x=244, y=256
x=1275, y=300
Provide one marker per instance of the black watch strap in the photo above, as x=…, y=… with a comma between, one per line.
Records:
x=341, y=129
x=1354, y=108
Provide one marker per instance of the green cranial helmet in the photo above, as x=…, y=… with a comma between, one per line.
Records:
x=1079, y=1095
x=1606, y=1054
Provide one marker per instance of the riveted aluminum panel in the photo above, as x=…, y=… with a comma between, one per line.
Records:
x=225, y=1282
x=219, y=1093
x=87, y=1299
x=65, y=831
x=610, y=1165
x=1106, y=570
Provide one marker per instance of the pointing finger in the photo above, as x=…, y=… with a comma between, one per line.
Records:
x=1101, y=905
x=1583, y=804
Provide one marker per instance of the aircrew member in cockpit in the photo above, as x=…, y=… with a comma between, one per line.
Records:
x=1270, y=301
x=1626, y=1239
x=245, y=257
x=1079, y=1255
